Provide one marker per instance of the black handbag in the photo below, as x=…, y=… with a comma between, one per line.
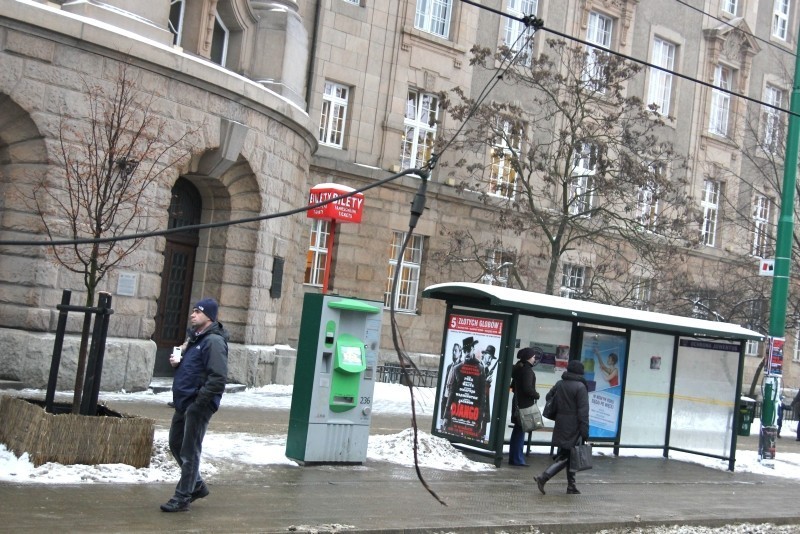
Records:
x=580, y=457
x=550, y=411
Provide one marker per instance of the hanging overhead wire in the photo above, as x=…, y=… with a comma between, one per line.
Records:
x=634, y=59
x=506, y=64
x=204, y=226
x=407, y=365
x=728, y=23
x=530, y=21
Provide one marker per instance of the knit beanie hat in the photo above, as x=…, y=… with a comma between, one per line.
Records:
x=208, y=307
x=525, y=353
x=575, y=367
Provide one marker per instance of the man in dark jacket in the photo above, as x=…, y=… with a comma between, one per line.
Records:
x=197, y=389
x=571, y=397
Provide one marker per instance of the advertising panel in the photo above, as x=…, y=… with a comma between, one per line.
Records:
x=468, y=377
x=604, y=358
x=774, y=364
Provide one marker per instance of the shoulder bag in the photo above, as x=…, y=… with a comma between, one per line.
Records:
x=529, y=419
x=550, y=410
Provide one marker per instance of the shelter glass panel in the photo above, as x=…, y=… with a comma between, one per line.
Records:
x=552, y=338
x=644, y=418
x=705, y=395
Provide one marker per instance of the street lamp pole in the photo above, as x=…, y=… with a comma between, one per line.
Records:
x=783, y=252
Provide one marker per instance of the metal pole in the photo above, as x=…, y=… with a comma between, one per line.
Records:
x=783, y=248
x=328, y=257
x=58, y=345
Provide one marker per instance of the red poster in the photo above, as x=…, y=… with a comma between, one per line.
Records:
x=468, y=377
x=774, y=363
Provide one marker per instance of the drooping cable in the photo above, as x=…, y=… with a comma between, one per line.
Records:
x=728, y=23
x=204, y=226
x=407, y=366
x=635, y=60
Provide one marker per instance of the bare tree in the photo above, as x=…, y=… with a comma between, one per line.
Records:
x=112, y=159
x=490, y=262
x=575, y=166
x=751, y=209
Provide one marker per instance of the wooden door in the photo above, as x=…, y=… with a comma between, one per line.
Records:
x=176, y=278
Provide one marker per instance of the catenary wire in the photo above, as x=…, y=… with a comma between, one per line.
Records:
x=204, y=226
x=528, y=20
x=636, y=60
x=727, y=23
x=505, y=65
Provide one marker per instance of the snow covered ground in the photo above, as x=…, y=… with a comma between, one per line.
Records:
x=436, y=453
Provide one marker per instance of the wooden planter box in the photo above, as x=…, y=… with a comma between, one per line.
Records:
x=107, y=438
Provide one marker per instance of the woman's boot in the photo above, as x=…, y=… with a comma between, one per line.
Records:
x=571, y=488
x=554, y=468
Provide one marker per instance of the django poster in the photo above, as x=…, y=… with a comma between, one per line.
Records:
x=468, y=377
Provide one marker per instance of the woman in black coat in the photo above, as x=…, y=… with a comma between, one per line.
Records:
x=523, y=384
x=571, y=396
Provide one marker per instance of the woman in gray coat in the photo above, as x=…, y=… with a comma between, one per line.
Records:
x=571, y=397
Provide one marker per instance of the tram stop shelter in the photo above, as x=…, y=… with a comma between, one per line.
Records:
x=655, y=381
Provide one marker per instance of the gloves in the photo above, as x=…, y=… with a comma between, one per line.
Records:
x=202, y=402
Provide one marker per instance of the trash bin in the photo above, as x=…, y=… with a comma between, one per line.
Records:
x=747, y=410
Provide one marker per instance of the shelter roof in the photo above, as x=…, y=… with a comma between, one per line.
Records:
x=486, y=296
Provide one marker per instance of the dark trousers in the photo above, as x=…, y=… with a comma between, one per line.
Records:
x=516, y=443
x=563, y=456
x=186, y=435
x=798, y=424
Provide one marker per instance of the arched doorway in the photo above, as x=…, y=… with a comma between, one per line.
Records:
x=176, y=279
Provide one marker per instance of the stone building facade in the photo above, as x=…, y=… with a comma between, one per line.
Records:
x=287, y=94
x=251, y=149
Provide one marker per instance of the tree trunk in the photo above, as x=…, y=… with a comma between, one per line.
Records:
x=80, y=373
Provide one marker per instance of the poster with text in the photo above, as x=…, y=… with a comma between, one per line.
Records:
x=774, y=363
x=604, y=357
x=468, y=377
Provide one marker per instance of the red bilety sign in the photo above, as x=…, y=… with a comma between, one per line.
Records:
x=348, y=209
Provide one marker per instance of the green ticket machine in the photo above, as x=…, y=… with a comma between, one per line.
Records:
x=334, y=380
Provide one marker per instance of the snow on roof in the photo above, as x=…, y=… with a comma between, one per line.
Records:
x=585, y=311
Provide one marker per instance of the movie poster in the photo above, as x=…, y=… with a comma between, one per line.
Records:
x=468, y=376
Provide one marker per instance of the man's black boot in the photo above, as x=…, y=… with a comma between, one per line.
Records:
x=200, y=491
x=174, y=505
